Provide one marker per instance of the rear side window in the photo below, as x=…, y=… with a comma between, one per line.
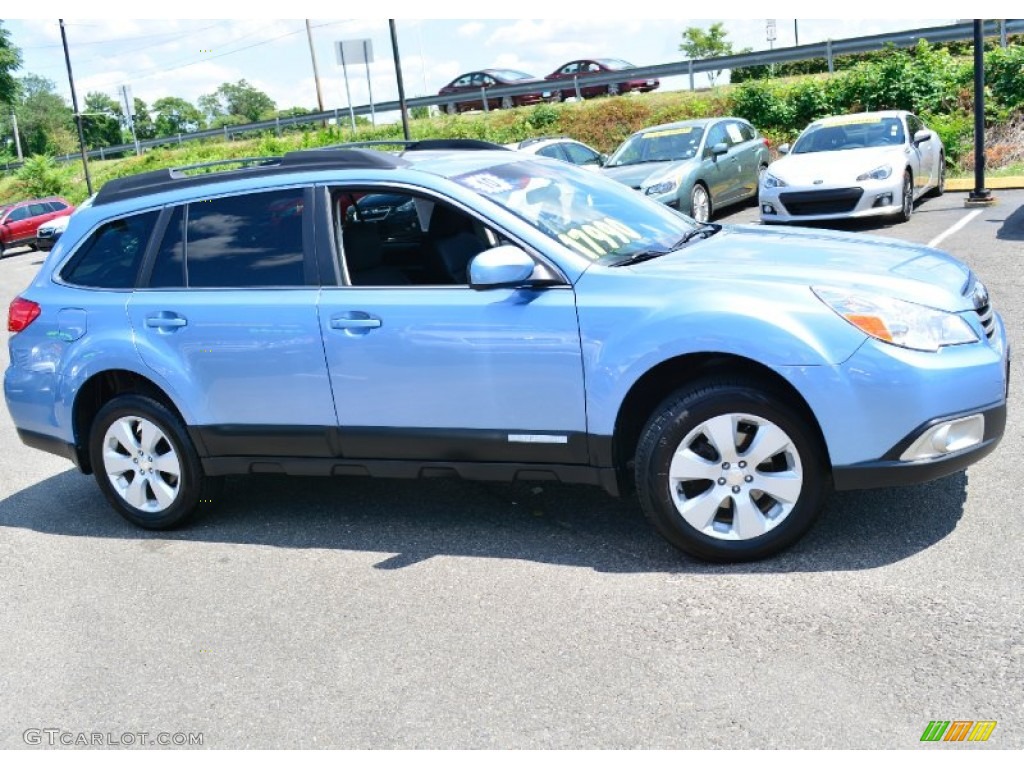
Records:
x=111, y=257
x=55, y=205
x=247, y=241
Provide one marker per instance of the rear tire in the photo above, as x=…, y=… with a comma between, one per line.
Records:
x=451, y=109
x=941, y=187
x=506, y=102
x=729, y=472
x=613, y=89
x=145, y=463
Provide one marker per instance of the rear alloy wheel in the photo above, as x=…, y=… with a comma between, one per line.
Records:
x=145, y=463
x=451, y=109
x=939, y=188
x=613, y=89
x=906, y=199
x=728, y=472
x=700, y=203
x=506, y=102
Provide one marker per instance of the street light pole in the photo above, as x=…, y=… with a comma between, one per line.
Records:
x=398, y=76
x=979, y=195
x=74, y=105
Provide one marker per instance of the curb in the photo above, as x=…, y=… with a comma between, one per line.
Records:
x=997, y=182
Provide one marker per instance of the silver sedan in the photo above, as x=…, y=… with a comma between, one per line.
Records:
x=867, y=164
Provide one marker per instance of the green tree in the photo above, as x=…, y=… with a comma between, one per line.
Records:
x=706, y=44
x=175, y=115
x=144, y=127
x=45, y=121
x=101, y=121
x=10, y=60
x=237, y=100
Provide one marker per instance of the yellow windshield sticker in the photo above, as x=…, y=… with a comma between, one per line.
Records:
x=852, y=120
x=597, y=238
x=668, y=132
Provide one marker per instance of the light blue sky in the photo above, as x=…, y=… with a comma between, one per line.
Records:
x=190, y=57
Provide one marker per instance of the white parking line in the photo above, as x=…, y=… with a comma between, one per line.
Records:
x=955, y=228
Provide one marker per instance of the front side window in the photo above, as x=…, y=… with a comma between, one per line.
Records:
x=111, y=257
x=246, y=241
x=394, y=238
x=18, y=214
x=580, y=155
x=596, y=217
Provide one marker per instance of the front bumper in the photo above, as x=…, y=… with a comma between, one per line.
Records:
x=890, y=470
x=833, y=201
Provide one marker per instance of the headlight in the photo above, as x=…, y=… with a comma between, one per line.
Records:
x=771, y=181
x=879, y=173
x=899, y=322
x=662, y=186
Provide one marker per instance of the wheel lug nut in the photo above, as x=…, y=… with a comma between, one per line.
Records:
x=743, y=465
x=748, y=479
x=721, y=481
x=735, y=489
x=136, y=461
x=725, y=465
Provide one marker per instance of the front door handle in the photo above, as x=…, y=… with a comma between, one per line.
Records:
x=166, y=321
x=355, y=322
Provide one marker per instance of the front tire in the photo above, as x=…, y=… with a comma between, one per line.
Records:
x=145, y=463
x=700, y=203
x=730, y=472
x=906, y=199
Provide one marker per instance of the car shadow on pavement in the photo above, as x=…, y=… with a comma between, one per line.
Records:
x=412, y=521
x=1012, y=226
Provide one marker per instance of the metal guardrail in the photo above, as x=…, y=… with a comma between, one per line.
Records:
x=825, y=50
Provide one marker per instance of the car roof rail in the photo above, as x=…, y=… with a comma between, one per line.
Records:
x=413, y=145
x=186, y=176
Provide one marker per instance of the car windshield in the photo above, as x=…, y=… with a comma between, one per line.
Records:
x=855, y=132
x=510, y=74
x=598, y=218
x=661, y=145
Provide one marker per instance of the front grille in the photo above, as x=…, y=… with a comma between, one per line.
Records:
x=821, y=203
x=988, y=319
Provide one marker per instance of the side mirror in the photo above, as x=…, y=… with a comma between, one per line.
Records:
x=602, y=159
x=921, y=137
x=506, y=266
x=719, y=149
x=784, y=149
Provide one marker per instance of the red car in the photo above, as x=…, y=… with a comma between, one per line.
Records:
x=469, y=88
x=581, y=70
x=19, y=221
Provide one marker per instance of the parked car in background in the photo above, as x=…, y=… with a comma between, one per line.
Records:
x=850, y=166
x=562, y=148
x=469, y=89
x=49, y=233
x=582, y=71
x=697, y=166
x=533, y=321
x=20, y=221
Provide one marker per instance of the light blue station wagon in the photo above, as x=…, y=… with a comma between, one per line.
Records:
x=459, y=310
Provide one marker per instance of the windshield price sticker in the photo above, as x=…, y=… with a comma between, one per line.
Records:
x=487, y=183
x=597, y=238
x=669, y=132
x=851, y=120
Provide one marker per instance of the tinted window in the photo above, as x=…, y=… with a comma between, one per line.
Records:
x=38, y=209
x=580, y=155
x=18, y=214
x=552, y=150
x=246, y=241
x=169, y=266
x=111, y=257
x=717, y=135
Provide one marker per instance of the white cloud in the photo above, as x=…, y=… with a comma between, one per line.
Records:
x=472, y=29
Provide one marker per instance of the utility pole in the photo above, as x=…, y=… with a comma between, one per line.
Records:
x=316, y=71
x=17, y=138
x=398, y=76
x=979, y=196
x=796, y=33
x=74, y=105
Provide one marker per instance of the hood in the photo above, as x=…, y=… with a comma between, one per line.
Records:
x=770, y=255
x=635, y=175
x=835, y=167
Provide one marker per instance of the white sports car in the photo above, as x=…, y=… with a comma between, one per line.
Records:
x=868, y=164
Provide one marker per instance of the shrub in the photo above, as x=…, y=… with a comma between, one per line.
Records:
x=40, y=176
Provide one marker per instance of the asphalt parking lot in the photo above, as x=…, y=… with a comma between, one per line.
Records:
x=361, y=613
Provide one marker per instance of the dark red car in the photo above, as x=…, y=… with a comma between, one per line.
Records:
x=19, y=221
x=470, y=88
x=581, y=70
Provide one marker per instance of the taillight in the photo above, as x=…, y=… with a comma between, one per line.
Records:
x=21, y=314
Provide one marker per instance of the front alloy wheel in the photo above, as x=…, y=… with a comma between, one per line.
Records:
x=907, y=200
x=700, y=203
x=729, y=472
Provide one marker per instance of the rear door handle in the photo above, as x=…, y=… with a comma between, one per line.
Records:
x=166, y=321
